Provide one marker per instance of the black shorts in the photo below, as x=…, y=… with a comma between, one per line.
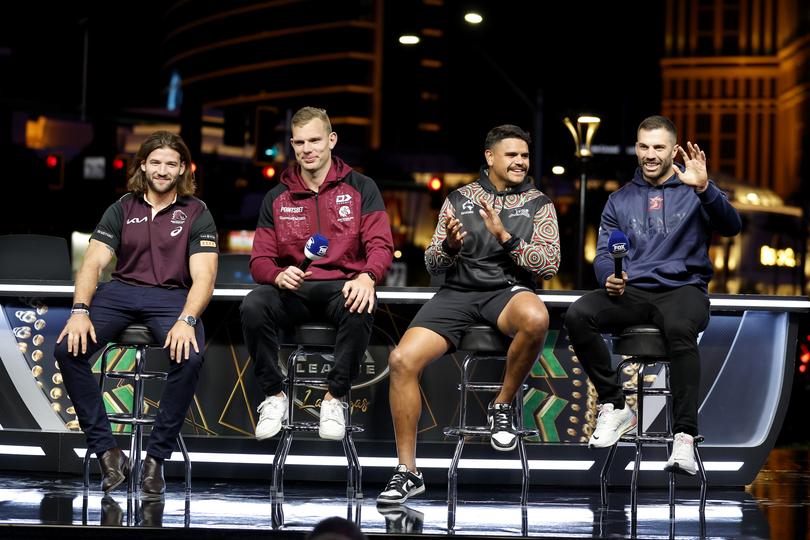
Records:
x=449, y=313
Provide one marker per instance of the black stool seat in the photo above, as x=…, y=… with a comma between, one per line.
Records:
x=313, y=338
x=642, y=340
x=137, y=334
x=483, y=338
x=312, y=335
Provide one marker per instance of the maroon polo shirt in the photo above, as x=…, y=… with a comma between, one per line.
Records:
x=155, y=252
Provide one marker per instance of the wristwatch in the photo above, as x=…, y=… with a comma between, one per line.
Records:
x=189, y=320
x=374, y=279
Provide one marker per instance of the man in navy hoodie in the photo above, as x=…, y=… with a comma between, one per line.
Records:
x=668, y=213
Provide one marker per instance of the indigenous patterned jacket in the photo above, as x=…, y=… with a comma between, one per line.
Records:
x=485, y=264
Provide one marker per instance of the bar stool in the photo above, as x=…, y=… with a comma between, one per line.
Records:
x=138, y=338
x=483, y=342
x=311, y=339
x=645, y=345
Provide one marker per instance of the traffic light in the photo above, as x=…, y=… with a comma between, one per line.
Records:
x=55, y=170
x=270, y=136
x=120, y=168
x=436, y=189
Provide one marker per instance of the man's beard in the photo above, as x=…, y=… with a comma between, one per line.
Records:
x=666, y=170
x=161, y=190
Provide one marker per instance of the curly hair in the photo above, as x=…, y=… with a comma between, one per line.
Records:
x=137, y=181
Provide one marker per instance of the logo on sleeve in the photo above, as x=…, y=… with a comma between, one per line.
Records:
x=179, y=217
x=523, y=212
x=207, y=243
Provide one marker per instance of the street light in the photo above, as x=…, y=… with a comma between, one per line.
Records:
x=583, y=154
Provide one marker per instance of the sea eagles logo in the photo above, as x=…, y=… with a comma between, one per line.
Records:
x=178, y=217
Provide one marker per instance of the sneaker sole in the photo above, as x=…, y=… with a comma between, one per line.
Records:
x=677, y=469
x=494, y=445
x=630, y=428
x=413, y=493
x=268, y=435
x=330, y=436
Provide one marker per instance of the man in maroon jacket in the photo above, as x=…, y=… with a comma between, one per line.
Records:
x=321, y=195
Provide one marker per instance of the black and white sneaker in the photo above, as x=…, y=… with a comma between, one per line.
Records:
x=503, y=435
x=402, y=485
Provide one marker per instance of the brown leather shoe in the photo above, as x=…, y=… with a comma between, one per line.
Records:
x=152, y=483
x=114, y=469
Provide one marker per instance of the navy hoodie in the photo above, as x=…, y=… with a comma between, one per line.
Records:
x=669, y=228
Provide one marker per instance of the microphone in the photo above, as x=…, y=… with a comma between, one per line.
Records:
x=618, y=245
x=314, y=250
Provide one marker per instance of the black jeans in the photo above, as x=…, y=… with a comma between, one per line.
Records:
x=680, y=313
x=115, y=306
x=267, y=308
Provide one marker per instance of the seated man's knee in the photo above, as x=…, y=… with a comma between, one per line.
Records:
x=398, y=363
x=60, y=352
x=535, y=323
x=254, y=311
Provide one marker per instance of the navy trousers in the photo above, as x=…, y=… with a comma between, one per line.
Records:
x=115, y=306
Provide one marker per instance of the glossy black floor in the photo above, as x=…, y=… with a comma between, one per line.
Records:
x=775, y=506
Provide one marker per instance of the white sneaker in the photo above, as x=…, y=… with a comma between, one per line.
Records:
x=682, y=460
x=273, y=412
x=611, y=424
x=333, y=422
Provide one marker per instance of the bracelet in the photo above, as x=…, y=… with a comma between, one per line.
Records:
x=80, y=310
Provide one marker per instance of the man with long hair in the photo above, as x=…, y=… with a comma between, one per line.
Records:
x=165, y=242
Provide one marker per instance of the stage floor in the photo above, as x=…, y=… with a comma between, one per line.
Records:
x=774, y=506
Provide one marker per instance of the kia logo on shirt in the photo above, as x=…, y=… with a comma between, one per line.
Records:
x=176, y=231
x=136, y=220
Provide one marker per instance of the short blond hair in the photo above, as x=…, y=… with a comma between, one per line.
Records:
x=305, y=115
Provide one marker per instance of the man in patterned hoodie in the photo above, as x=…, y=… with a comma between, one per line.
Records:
x=494, y=238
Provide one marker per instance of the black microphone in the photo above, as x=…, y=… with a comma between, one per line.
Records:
x=314, y=250
x=618, y=245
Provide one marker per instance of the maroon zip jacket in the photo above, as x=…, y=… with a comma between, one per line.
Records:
x=348, y=210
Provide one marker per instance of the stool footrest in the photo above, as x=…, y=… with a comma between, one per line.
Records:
x=306, y=381
x=648, y=392
x=314, y=426
x=124, y=418
x=487, y=386
x=132, y=375
x=660, y=438
x=483, y=431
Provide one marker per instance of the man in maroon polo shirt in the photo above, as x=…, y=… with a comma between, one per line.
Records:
x=166, y=244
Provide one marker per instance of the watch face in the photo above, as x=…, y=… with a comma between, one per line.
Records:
x=190, y=320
